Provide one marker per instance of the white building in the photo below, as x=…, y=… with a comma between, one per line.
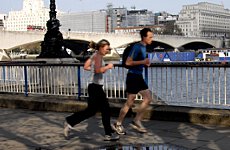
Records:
x=204, y=20
x=2, y=21
x=33, y=15
x=93, y=21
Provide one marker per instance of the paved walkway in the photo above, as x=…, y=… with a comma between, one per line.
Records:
x=38, y=130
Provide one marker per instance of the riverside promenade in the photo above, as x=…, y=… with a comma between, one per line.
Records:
x=36, y=123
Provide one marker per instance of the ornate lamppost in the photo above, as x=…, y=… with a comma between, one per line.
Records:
x=52, y=46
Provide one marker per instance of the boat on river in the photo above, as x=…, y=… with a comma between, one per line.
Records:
x=213, y=55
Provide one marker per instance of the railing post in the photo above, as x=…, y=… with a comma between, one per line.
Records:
x=26, y=83
x=146, y=75
x=79, y=81
x=4, y=73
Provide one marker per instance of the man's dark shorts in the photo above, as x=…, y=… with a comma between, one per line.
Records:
x=135, y=83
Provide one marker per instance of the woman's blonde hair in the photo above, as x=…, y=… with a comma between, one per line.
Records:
x=99, y=44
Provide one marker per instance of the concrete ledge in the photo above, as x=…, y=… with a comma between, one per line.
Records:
x=42, y=103
x=155, y=112
x=190, y=114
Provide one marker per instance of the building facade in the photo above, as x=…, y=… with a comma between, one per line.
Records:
x=124, y=18
x=162, y=18
x=105, y=20
x=2, y=21
x=139, y=18
x=33, y=16
x=204, y=20
x=117, y=16
x=93, y=21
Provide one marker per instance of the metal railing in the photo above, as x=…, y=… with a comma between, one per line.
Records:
x=182, y=84
x=192, y=84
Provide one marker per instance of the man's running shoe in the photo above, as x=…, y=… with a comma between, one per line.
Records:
x=138, y=126
x=118, y=128
x=112, y=137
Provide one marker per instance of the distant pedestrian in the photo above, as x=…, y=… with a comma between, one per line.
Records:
x=97, y=98
x=135, y=83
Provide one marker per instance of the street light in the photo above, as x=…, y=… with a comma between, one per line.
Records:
x=52, y=45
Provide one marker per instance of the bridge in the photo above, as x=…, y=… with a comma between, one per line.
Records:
x=10, y=40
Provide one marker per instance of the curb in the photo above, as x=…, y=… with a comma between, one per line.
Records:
x=155, y=112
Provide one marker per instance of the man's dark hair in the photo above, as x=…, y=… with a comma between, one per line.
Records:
x=144, y=32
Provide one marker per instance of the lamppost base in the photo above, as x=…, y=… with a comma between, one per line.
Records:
x=52, y=46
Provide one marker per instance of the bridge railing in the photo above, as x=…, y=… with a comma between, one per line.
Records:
x=182, y=84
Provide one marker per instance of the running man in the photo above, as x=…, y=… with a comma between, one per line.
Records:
x=135, y=83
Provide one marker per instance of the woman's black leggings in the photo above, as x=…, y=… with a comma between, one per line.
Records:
x=97, y=101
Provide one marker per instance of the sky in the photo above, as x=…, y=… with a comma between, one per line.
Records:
x=170, y=6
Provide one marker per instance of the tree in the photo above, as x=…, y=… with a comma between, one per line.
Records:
x=172, y=29
x=177, y=30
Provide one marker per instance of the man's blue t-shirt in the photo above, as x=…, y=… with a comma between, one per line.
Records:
x=137, y=53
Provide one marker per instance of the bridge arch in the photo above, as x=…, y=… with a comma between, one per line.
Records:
x=195, y=45
x=80, y=45
x=155, y=45
x=73, y=44
x=159, y=45
x=10, y=40
x=76, y=45
x=25, y=44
